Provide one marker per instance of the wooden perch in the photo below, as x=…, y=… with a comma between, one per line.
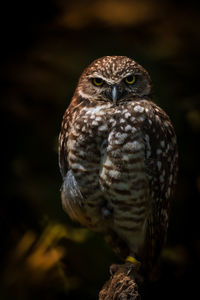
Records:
x=123, y=283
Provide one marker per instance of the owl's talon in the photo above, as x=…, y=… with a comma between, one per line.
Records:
x=134, y=261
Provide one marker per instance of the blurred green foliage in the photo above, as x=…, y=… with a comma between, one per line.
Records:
x=45, y=46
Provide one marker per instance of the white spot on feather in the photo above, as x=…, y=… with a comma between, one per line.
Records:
x=127, y=115
x=148, y=154
x=141, y=118
x=170, y=178
x=128, y=128
x=159, y=164
x=134, y=146
x=114, y=173
x=103, y=127
x=120, y=137
x=158, y=151
x=98, y=118
x=95, y=123
x=138, y=108
x=162, y=143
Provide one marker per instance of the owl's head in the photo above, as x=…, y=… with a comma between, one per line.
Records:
x=115, y=79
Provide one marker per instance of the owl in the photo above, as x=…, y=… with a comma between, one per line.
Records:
x=118, y=158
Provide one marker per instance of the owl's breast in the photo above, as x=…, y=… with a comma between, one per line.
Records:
x=122, y=175
x=123, y=152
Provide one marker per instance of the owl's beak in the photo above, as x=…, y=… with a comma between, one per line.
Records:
x=114, y=94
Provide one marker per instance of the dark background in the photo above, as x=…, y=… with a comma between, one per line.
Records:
x=45, y=45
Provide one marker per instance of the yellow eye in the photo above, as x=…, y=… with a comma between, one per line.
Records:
x=97, y=81
x=130, y=79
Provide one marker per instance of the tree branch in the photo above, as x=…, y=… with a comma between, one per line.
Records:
x=123, y=283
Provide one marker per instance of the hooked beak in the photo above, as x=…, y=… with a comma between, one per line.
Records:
x=114, y=94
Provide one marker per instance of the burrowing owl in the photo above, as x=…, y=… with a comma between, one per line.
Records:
x=118, y=158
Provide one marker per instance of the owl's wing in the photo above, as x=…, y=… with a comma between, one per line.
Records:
x=161, y=169
x=62, y=145
x=70, y=192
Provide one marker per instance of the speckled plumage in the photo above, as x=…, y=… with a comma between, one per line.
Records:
x=118, y=160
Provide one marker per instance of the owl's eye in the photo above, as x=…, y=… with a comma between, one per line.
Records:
x=97, y=81
x=130, y=79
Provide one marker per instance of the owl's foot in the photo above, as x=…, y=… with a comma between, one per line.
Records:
x=134, y=261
